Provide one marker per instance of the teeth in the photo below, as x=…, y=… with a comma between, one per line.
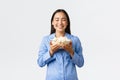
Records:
x=61, y=40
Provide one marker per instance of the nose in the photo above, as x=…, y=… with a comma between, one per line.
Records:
x=60, y=22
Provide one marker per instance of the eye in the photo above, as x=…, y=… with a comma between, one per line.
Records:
x=63, y=19
x=56, y=19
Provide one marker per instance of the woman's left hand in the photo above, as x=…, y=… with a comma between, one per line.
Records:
x=68, y=48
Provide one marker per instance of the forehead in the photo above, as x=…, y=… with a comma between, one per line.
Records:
x=60, y=15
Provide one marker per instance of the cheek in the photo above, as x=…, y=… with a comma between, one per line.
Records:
x=54, y=22
x=55, y=26
x=65, y=26
x=65, y=23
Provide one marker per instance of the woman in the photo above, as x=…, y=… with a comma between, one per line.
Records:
x=61, y=60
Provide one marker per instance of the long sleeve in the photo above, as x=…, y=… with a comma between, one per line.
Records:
x=43, y=54
x=78, y=56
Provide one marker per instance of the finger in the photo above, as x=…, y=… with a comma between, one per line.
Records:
x=50, y=42
x=68, y=47
x=55, y=47
x=70, y=43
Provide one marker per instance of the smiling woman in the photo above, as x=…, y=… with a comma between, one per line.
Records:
x=61, y=59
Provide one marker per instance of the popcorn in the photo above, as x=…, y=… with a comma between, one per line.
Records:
x=61, y=41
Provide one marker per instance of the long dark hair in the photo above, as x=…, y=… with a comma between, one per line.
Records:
x=67, y=30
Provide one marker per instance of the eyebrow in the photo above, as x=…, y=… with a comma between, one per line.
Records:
x=62, y=18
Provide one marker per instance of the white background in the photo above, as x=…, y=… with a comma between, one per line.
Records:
x=23, y=23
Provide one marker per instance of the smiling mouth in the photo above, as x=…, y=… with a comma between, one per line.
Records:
x=60, y=26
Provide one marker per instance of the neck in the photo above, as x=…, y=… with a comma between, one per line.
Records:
x=60, y=34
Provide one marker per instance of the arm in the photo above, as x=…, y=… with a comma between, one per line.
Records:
x=77, y=58
x=43, y=54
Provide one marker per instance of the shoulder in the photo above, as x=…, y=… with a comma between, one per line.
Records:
x=76, y=41
x=74, y=37
x=48, y=37
x=45, y=37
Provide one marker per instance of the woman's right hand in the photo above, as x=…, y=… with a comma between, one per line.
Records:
x=53, y=48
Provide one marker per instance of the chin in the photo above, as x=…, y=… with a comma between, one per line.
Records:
x=61, y=31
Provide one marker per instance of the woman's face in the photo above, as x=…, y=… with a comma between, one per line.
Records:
x=60, y=22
